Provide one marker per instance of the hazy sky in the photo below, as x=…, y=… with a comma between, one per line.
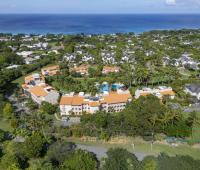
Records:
x=99, y=6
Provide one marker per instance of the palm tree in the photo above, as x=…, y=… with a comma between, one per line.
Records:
x=175, y=116
x=193, y=121
x=165, y=119
x=193, y=118
x=142, y=74
x=154, y=119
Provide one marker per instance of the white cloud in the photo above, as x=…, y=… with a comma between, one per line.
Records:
x=171, y=2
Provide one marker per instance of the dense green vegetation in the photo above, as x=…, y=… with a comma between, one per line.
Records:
x=32, y=140
x=139, y=119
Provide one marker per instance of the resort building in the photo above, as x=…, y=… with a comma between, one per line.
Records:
x=83, y=69
x=158, y=92
x=41, y=93
x=36, y=88
x=115, y=101
x=51, y=70
x=108, y=69
x=77, y=104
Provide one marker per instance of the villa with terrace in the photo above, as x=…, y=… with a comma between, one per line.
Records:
x=82, y=69
x=51, y=70
x=110, y=69
x=158, y=92
x=36, y=88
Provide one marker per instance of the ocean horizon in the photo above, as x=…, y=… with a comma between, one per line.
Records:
x=95, y=23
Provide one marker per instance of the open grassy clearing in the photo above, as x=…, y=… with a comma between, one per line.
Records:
x=5, y=125
x=144, y=147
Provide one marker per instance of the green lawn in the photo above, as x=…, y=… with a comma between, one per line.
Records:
x=5, y=125
x=185, y=73
x=19, y=81
x=145, y=147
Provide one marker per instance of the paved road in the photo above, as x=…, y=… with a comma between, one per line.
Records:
x=101, y=151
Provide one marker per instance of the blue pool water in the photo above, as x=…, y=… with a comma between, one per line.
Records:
x=104, y=88
x=107, y=87
x=116, y=86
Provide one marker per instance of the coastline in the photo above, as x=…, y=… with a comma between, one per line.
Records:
x=72, y=24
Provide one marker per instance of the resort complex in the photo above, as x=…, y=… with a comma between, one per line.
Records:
x=134, y=91
x=111, y=98
x=72, y=103
x=81, y=103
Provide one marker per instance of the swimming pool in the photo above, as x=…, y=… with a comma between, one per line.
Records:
x=107, y=88
x=104, y=88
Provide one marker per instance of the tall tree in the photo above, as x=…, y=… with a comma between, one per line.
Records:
x=81, y=160
x=121, y=159
x=8, y=111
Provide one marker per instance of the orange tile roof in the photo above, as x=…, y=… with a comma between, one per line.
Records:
x=77, y=100
x=145, y=93
x=55, y=67
x=38, y=91
x=66, y=100
x=94, y=104
x=24, y=86
x=113, y=97
x=116, y=98
x=110, y=69
x=72, y=100
x=52, y=70
x=167, y=92
x=82, y=68
x=28, y=78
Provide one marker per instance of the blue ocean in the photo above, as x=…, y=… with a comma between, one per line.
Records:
x=94, y=24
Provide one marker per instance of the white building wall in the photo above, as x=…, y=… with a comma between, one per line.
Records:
x=65, y=110
x=94, y=109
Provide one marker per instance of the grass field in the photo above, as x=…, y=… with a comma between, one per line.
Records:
x=19, y=81
x=145, y=147
x=185, y=73
x=5, y=125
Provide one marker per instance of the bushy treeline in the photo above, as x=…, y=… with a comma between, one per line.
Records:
x=121, y=159
x=42, y=152
x=8, y=75
x=146, y=116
